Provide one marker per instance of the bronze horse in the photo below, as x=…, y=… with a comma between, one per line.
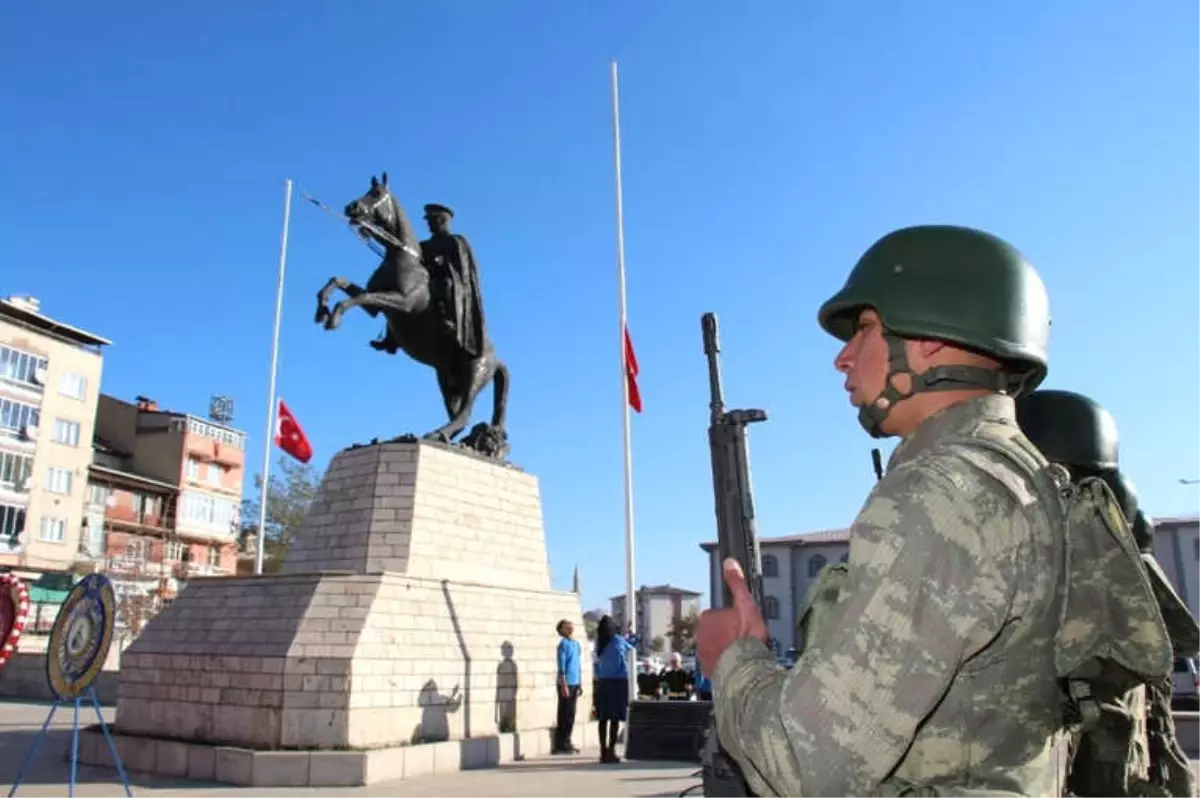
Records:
x=401, y=290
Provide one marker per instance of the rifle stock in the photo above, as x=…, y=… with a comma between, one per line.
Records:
x=736, y=536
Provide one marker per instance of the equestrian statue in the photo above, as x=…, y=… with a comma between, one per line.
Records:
x=428, y=293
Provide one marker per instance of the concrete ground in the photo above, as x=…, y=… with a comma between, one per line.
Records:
x=549, y=776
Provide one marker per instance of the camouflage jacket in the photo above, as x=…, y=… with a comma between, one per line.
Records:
x=937, y=672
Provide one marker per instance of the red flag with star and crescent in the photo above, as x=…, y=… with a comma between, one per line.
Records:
x=289, y=436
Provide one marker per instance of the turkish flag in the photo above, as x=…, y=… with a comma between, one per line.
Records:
x=631, y=372
x=289, y=436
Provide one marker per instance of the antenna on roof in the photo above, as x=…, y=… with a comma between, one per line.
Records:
x=220, y=409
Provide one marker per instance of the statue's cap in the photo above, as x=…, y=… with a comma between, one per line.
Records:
x=433, y=208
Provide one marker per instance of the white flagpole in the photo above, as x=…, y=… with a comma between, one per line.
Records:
x=630, y=597
x=269, y=437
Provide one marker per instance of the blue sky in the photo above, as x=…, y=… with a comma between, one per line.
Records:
x=765, y=146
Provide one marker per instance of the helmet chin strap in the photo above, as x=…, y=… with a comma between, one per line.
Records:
x=939, y=378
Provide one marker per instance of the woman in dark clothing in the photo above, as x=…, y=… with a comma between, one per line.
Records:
x=612, y=686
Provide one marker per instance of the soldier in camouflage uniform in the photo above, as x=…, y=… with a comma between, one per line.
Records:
x=1132, y=749
x=936, y=672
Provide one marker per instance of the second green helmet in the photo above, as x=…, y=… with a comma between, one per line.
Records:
x=1070, y=429
x=954, y=284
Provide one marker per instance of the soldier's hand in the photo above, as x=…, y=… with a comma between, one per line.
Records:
x=719, y=628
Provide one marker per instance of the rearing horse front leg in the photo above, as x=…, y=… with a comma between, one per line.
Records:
x=323, y=295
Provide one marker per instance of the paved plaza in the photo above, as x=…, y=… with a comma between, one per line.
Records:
x=550, y=776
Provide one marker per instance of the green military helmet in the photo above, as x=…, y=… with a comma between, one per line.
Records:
x=953, y=284
x=1124, y=492
x=1143, y=532
x=1070, y=429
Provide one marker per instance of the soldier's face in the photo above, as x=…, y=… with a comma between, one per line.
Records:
x=864, y=360
x=439, y=223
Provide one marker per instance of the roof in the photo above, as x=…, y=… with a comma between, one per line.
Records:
x=129, y=476
x=1176, y=520
x=660, y=590
x=804, y=539
x=45, y=324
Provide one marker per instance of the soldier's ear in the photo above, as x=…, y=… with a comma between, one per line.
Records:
x=385, y=179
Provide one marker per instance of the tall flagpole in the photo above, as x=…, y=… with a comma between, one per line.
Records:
x=268, y=438
x=630, y=597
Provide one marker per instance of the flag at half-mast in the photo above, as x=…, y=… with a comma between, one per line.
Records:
x=631, y=373
x=289, y=437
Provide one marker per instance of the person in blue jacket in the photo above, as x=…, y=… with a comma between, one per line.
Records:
x=612, y=685
x=569, y=688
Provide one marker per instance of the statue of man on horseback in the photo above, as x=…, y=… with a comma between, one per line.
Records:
x=453, y=284
x=429, y=295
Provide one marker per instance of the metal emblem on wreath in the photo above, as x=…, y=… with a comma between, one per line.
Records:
x=14, y=611
x=81, y=637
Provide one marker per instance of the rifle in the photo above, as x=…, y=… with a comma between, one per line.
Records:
x=735, y=534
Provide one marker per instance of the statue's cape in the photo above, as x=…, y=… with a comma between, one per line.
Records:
x=466, y=303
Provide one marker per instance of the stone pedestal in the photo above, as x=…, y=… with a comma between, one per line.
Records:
x=424, y=510
x=414, y=607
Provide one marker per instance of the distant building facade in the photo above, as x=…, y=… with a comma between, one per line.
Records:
x=169, y=486
x=658, y=608
x=1177, y=549
x=790, y=565
x=49, y=384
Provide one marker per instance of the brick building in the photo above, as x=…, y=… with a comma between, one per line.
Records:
x=164, y=494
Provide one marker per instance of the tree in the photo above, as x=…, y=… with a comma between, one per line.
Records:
x=292, y=488
x=658, y=644
x=683, y=631
x=591, y=619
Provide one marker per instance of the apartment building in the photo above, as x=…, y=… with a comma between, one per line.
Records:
x=790, y=565
x=1177, y=549
x=658, y=608
x=167, y=487
x=49, y=384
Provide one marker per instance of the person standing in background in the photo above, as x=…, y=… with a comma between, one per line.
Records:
x=570, y=687
x=612, y=686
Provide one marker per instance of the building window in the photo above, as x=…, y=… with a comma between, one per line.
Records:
x=98, y=494
x=22, y=367
x=214, y=557
x=94, y=524
x=136, y=550
x=72, y=385
x=58, y=480
x=770, y=566
x=219, y=434
x=65, y=432
x=17, y=417
x=845, y=557
x=213, y=512
x=175, y=550
x=145, y=505
x=193, y=468
x=214, y=474
x=15, y=470
x=12, y=524
x=815, y=564
x=54, y=530
x=771, y=608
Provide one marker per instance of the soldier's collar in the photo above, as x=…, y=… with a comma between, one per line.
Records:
x=960, y=418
